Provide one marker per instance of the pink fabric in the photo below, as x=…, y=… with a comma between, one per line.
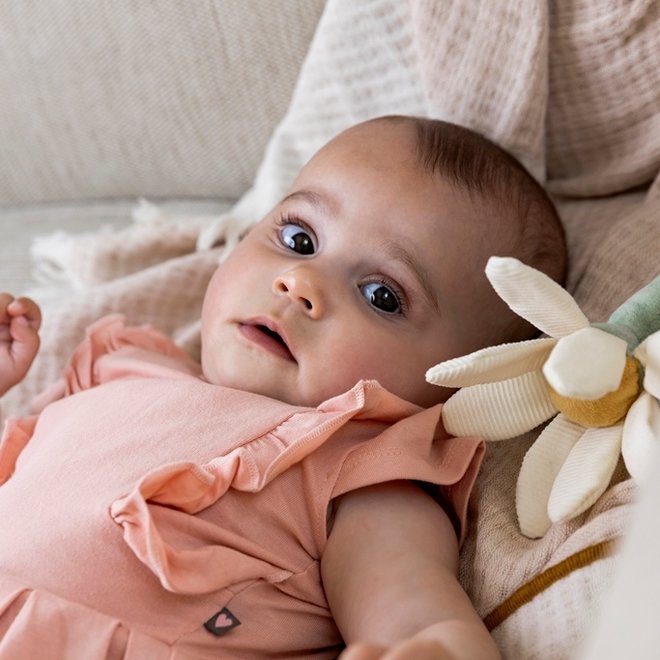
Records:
x=150, y=500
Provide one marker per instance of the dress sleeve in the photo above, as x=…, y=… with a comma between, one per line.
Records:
x=418, y=448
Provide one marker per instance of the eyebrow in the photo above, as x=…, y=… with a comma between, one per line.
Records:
x=399, y=253
x=308, y=196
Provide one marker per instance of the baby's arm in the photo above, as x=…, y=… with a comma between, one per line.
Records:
x=389, y=572
x=20, y=319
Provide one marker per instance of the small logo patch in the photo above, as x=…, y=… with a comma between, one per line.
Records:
x=222, y=622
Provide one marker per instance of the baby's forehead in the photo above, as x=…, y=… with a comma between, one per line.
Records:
x=387, y=154
x=378, y=137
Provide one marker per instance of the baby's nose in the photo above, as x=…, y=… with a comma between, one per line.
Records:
x=302, y=285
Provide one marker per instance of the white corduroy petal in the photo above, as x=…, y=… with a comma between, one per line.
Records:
x=540, y=467
x=536, y=297
x=499, y=410
x=492, y=364
x=641, y=428
x=641, y=432
x=602, y=359
x=586, y=472
x=648, y=353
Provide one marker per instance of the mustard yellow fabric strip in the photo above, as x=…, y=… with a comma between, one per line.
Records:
x=546, y=579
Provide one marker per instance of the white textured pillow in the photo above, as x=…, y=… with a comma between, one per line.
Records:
x=161, y=99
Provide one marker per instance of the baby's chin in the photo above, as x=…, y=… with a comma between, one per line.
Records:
x=425, y=396
x=258, y=386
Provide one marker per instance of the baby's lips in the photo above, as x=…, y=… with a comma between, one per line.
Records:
x=268, y=335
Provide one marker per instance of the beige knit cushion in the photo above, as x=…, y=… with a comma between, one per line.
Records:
x=161, y=99
x=603, y=124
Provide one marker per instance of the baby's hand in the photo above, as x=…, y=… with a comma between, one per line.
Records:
x=20, y=319
x=410, y=649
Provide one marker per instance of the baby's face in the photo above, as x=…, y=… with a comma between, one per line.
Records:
x=363, y=271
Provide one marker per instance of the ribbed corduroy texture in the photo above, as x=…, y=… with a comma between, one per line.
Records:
x=534, y=484
x=492, y=365
x=528, y=294
x=498, y=400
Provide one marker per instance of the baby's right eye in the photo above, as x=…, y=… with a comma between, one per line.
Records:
x=296, y=237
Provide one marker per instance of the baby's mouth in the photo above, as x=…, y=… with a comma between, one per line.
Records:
x=268, y=339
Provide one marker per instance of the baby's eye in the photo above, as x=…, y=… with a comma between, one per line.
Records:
x=297, y=238
x=381, y=297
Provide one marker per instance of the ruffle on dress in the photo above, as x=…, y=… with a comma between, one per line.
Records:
x=191, y=487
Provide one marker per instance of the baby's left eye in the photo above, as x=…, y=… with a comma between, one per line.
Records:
x=297, y=238
x=381, y=297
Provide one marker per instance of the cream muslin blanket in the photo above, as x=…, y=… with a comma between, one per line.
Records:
x=571, y=87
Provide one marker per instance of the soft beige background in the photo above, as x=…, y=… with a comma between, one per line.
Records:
x=115, y=98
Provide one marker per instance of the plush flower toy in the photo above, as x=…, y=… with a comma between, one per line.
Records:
x=600, y=382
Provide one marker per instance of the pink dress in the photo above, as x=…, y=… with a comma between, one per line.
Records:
x=148, y=514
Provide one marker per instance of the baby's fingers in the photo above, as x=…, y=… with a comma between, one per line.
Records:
x=5, y=301
x=19, y=342
x=27, y=308
x=25, y=339
x=412, y=649
x=363, y=651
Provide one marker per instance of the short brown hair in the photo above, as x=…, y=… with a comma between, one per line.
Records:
x=496, y=178
x=480, y=166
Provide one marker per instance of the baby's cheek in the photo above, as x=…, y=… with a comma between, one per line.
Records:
x=373, y=365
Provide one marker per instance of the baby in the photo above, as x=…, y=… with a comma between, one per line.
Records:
x=295, y=492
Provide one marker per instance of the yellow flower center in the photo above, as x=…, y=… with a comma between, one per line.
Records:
x=607, y=410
